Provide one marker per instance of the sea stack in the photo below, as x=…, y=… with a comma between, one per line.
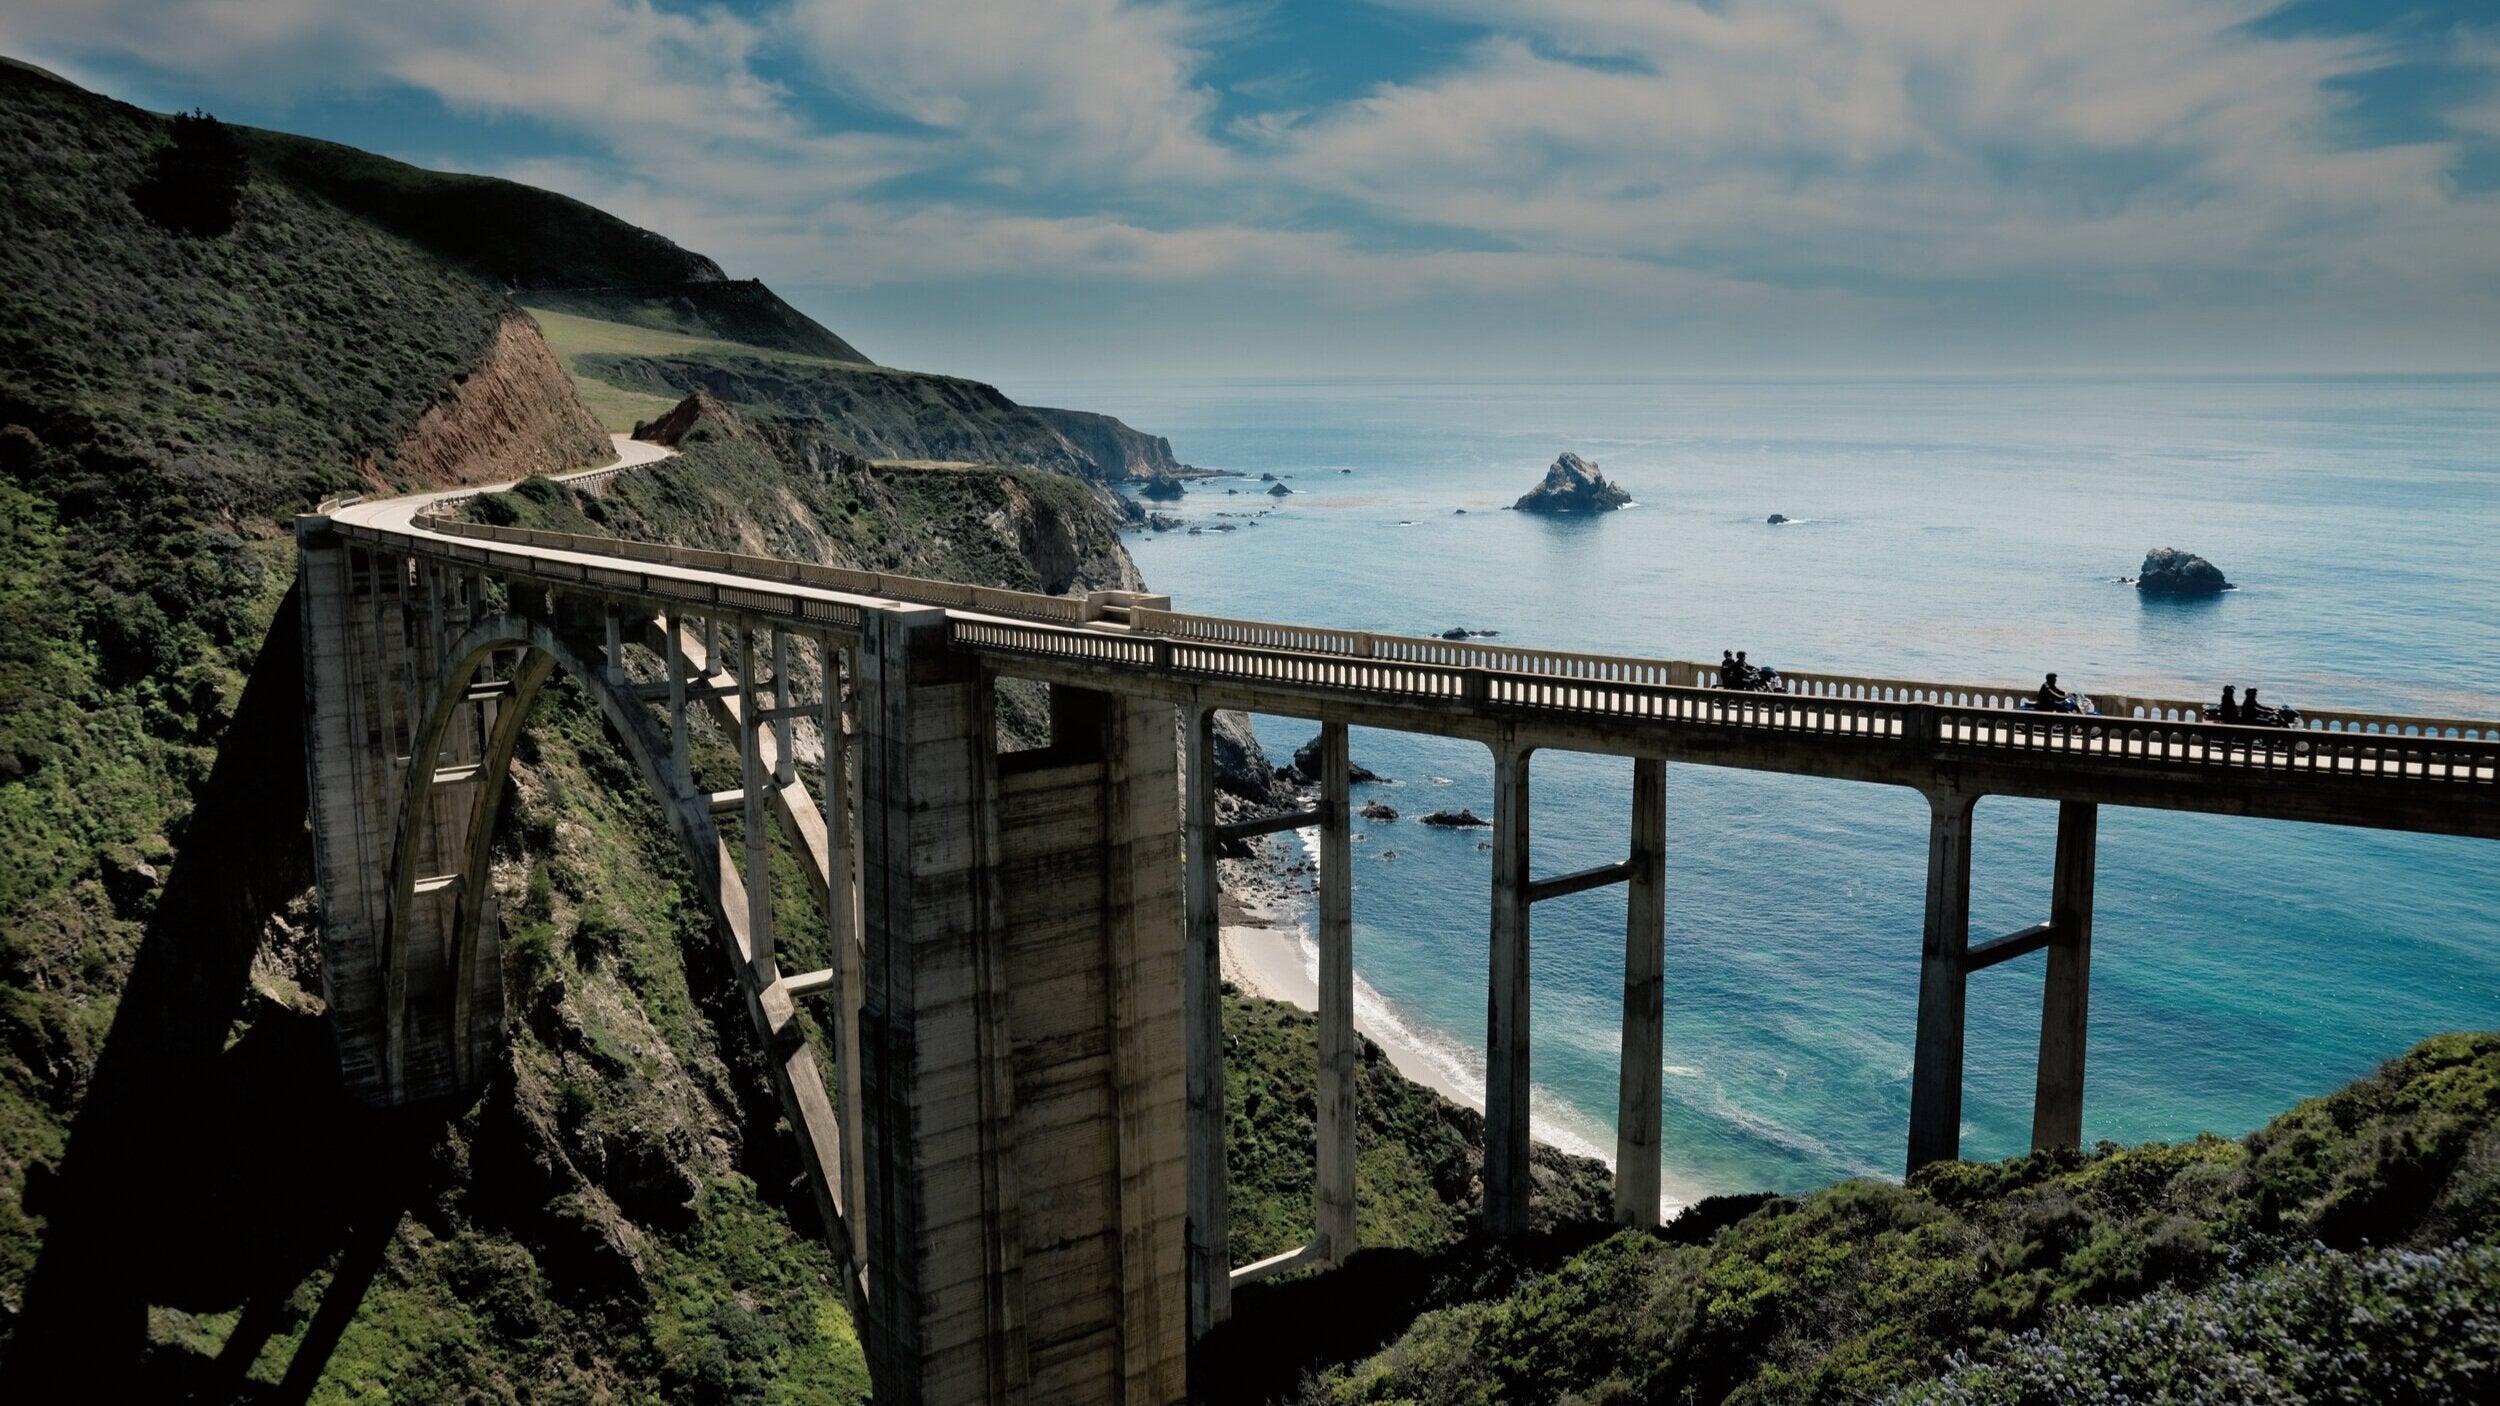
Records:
x=1573, y=485
x=2170, y=572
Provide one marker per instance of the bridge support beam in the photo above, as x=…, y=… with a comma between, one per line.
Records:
x=1209, y=1267
x=1936, y=1070
x=1507, y=1172
x=1333, y=1217
x=1639, y=1091
x=751, y=780
x=2057, y=1099
x=842, y=917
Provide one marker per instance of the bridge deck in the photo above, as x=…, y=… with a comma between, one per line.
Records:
x=2381, y=771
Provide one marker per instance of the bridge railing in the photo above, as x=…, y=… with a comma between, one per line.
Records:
x=1409, y=649
x=2354, y=754
x=1885, y=710
x=1314, y=643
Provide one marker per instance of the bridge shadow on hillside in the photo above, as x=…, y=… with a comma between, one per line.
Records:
x=215, y=1163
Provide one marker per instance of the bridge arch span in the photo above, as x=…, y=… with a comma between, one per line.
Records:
x=469, y=795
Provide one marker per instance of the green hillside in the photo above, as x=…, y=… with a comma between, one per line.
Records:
x=550, y=251
x=189, y=1207
x=2347, y=1251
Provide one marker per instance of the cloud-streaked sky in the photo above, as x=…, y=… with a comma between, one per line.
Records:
x=1022, y=188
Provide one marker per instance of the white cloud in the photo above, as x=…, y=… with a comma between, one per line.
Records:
x=1050, y=89
x=1805, y=163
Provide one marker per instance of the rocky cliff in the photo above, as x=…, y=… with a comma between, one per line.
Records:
x=1119, y=454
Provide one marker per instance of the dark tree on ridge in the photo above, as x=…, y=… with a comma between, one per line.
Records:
x=197, y=180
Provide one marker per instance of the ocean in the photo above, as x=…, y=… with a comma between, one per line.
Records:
x=1968, y=530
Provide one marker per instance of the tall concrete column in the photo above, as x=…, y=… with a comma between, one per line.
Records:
x=785, y=756
x=613, y=618
x=1936, y=1073
x=680, y=764
x=759, y=875
x=1639, y=1089
x=1209, y=1236
x=1507, y=1177
x=842, y=916
x=2057, y=1100
x=1333, y=1198
x=1143, y=931
x=944, y=1322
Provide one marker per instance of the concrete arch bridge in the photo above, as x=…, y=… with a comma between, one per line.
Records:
x=1018, y=1147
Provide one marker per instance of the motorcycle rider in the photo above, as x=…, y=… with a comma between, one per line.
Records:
x=2251, y=711
x=2050, y=698
x=2230, y=711
x=1745, y=675
x=1727, y=670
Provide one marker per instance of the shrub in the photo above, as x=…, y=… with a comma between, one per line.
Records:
x=197, y=178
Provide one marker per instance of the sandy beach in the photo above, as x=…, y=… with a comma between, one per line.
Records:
x=1263, y=956
x=1267, y=961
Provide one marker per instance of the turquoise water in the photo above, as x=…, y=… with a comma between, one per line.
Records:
x=1953, y=530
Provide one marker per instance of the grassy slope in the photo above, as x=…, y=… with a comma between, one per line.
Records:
x=554, y=251
x=1417, y=1154
x=165, y=404
x=1865, y=1287
x=629, y=373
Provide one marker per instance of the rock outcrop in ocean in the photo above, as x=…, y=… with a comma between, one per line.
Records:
x=2168, y=571
x=1305, y=767
x=1573, y=485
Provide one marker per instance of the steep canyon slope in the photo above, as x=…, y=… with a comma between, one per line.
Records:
x=188, y=1205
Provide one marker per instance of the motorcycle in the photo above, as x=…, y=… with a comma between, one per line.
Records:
x=1755, y=678
x=2078, y=704
x=2263, y=715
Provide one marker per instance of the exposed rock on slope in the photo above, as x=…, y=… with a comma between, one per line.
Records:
x=2167, y=571
x=514, y=416
x=1573, y=485
x=696, y=409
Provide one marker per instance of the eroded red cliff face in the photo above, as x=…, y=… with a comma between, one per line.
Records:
x=515, y=415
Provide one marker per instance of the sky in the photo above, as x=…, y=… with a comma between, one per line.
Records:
x=1211, y=189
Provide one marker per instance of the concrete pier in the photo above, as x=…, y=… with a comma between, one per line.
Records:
x=1024, y=1070
x=1507, y=1179
x=1333, y=1210
x=1209, y=1269
x=1640, y=1092
x=1936, y=1071
x=2057, y=1099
